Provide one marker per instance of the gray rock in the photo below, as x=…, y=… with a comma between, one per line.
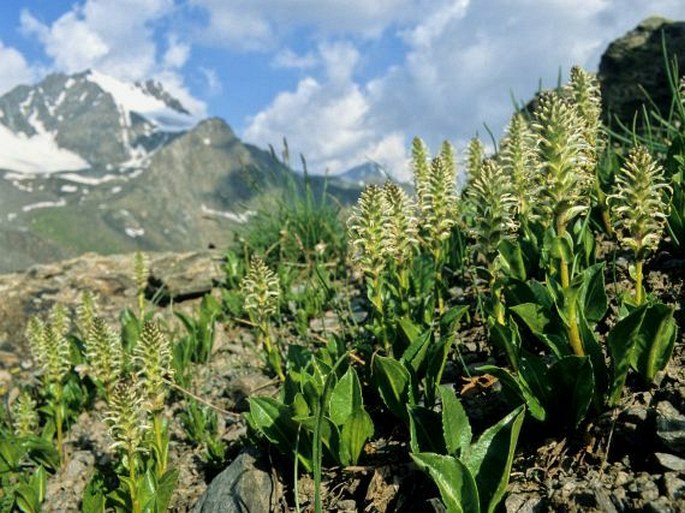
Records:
x=186, y=276
x=661, y=505
x=670, y=462
x=523, y=503
x=670, y=427
x=674, y=486
x=240, y=488
x=645, y=488
x=634, y=63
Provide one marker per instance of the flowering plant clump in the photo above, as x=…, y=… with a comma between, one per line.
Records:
x=639, y=208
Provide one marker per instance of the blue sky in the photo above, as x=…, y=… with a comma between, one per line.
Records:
x=346, y=81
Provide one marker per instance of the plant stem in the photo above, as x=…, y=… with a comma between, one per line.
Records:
x=573, y=332
x=272, y=354
x=58, y=423
x=571, y=309
x=135, y=506
x=638, y=281
x=162, y=451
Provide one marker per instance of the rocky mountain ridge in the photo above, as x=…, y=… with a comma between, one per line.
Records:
x=90, y=163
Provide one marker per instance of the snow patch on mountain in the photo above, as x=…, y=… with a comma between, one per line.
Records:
x=131, y=98
x=39, y=154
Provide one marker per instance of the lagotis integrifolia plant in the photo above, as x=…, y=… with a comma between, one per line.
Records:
x=495, y=207
x=518, y=158
x=565, y=175
x=475, y=154
x=152, y=355
x=262, y=291
x=104, y=353
x=60, y=322
x=401, y=237
x=563, y=168
x=419, y=161
x=85, y=313
x=435, y=185
x=438, y=211
x=141, y=274
x=50, y=349
x=368, y=230
x=583, y=88
x=126, y=418
x=24, y=415
x=384, y=237
x=437, y=204
x=639, y=208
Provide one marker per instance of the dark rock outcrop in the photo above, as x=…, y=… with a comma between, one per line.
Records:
x=632, y=71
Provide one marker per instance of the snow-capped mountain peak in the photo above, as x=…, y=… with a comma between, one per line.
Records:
x=148, y=100
x=88, y=120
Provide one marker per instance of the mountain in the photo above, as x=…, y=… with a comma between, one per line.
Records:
x=90, y=163
x=364, y=174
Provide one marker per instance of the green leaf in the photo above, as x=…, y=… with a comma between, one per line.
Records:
x=450, y=319
x=437, y=359
x=392, y=380
x=535, y=316
x=593, y=297
x=507, y=339
x=561, y=247
x=130, y=329
x=512, y=258
x=424, y=430
x=515, y=391
x=358, y=428
x=531, y=291
x=42, y=452
x=643, y=340
x=415, y=354
x=94, y=495
x=346, y=397
x=594, y=350
x=456, y=429
x=165, y=488
x=26, y=497
x=453, y=479
x=572, y=388
x=300, y=407
x=274, y=421
x=490, y=458
x=12, y=450
x=544, y=324
x=654, y=345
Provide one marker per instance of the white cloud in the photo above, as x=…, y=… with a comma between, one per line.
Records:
x=14, y=69
x=113, y=36
x=116, y=37
x=463, y=60
x=261, y=24
x=328, y=121
x=177, y=53
x=211, y=77
x=287, y=58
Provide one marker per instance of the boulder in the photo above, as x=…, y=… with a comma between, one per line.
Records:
x=634, y=65
x=241, y=488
